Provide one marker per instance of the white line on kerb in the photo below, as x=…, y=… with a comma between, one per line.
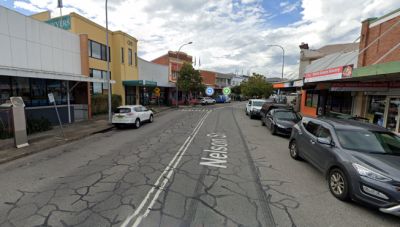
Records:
x=159, y=185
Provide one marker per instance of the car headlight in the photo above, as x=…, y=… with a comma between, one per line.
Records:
x=280, y=126
x=363, y=171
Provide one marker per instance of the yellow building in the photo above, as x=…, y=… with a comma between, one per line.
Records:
x=123, y=58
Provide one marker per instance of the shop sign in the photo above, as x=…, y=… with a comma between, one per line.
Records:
x=298, y=83
x=63, y=22
x=226, y=91
x=340, y=72
x=209, y=91
x=279, y=85
x=360, y=86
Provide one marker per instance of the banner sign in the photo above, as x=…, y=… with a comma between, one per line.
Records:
x=63, y=22
x=340, y=72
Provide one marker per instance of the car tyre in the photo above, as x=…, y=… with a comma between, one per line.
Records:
x=137, y=123
x=119, y=126
x=273, y=129
x=262, y=121
x=251, y=116
x=338, y=184
x=151, y=119
x=293, y=150
x=247, y=114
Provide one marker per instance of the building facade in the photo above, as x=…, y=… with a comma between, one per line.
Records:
x=156, y=75
x=37, y=59
x=123, y=57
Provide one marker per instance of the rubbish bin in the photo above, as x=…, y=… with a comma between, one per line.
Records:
x=19, y=121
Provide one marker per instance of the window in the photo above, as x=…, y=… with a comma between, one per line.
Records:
x=324, y=133
x=58, y=89
x=98, y=88
x=138, y=109
x=21, y=87
x=312, y=98
x=98, y=50
x=130, y=56
x=312, y=127
x=5, y=89
x=122, y=55
x=340, y=102
x=38, y=92
x=136, y=60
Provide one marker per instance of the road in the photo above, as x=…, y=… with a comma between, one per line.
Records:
x=203, y=166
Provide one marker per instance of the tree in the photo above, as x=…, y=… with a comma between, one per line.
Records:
x=256, y=86
x=189, y=80
x=236, y=90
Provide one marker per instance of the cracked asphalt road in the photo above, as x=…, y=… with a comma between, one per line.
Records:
x=102, y=180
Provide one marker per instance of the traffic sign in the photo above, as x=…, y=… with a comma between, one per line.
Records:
x=156, y=90
x=209, y=91
x=226, y=90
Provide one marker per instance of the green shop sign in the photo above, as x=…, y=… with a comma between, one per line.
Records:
x=63, y=22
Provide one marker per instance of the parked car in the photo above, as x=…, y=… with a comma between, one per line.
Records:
x=270, y=105
x=280, y=121
x=228, y=99
x=131, y=115
x=220, y=99
x=207, y=101
x=253, y=107
x=361, y=161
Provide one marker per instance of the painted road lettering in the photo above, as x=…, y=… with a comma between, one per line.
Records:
x=217, y=154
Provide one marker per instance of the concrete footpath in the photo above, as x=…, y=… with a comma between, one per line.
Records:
x=52, y=138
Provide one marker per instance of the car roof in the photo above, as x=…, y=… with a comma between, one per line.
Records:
x=349, y=124
x=263, y=100
x=129, y=106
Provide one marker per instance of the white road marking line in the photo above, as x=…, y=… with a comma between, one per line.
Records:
x=168, y=172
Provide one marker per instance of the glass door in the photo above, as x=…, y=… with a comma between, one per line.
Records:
x=392, y=119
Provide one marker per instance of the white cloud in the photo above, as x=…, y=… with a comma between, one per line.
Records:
x=288, y=7
x=27, y=6
x=229, y=35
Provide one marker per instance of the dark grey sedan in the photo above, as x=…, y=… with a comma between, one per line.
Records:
x=361, y=161
x=280, y=121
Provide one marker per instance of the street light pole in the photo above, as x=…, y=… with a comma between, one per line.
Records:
x=177, y=57
x=108, y=67
x=283, y=56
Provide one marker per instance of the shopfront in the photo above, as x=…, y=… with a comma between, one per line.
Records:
x=139, y=92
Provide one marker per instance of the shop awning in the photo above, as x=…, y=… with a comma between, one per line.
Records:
x=147, y=83
x=41, y=74
x=378, y=69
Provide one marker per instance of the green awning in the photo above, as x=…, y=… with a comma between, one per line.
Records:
x=378, y=69
x=144, y=83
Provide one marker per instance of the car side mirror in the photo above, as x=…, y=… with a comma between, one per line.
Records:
x=325, y=141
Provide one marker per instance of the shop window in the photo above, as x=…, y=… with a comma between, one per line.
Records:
x=312, y=98
x=340, y=102
x=38, y=92
x=376, y=109
x=58, y=89
x=5, y=89
x=21, y=87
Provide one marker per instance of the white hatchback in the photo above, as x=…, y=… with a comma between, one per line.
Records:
x=132, y=115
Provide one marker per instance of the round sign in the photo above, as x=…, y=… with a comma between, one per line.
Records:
x=226, y=91
x=157, y=90
x=209, y=91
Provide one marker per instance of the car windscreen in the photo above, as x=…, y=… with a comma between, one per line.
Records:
x=258, y=103
x=286, y=115
x=123, y=110
x=369, y=141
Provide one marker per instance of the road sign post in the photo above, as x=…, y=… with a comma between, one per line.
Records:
x=52, y=100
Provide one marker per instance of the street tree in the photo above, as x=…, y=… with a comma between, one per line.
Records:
x=189, y=80
x=256, y=86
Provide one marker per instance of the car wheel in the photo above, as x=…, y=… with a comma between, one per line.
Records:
x=273, y=129
x=294, y=152
x=246, y=112
x=262, y=121
x=118, y=126
x=251, y=116
x=151, y=119
x=137, y=123
x=338, y=184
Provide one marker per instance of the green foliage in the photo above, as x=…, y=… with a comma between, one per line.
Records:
x=256, y=86
x=236, y=90
x=189, y=79
x=100, y=103
x=38, y=125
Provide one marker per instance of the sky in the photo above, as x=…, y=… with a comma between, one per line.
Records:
x=230, y=36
